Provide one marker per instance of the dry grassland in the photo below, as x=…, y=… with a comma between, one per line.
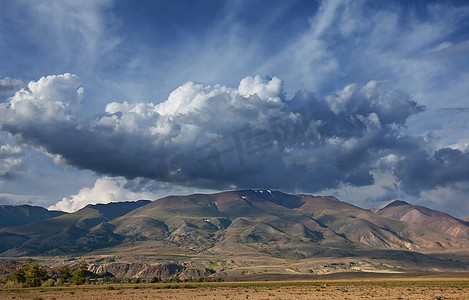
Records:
x=408, y=288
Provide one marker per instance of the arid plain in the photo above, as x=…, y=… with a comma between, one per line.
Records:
x=384, y=288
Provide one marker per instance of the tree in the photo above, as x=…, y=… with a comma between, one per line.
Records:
x=78, y=276
x=64, y=273
x=18, y=276
x=34, y=275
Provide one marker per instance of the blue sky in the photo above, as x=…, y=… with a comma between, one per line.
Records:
x=120, y=100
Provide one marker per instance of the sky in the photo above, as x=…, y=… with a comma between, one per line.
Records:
x=105, y=101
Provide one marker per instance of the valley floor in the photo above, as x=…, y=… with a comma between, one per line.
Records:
x=390, y=288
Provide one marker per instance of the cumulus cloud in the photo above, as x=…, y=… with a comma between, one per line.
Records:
x=9, y=85
x=111, y=189
x=10, y=160
x=48, y=100
x=220, y=137
x=105, y=190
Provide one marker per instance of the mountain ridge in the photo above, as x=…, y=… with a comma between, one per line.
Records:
x=17, y=215
x=387, y=204
x=228, y=234
x=259, y=223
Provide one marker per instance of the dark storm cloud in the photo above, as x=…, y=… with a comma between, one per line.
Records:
x=250, y=136
x=420, y=170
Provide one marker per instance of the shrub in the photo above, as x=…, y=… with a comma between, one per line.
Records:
x=64, y=273
x=79, y=275
x=18, y=276
x=34, y=275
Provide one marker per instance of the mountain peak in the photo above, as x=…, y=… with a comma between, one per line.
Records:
x=388, y=204
x=113, y=209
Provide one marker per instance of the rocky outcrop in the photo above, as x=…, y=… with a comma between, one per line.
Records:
x=137, y=270
x=195, y=273
x=148, y=271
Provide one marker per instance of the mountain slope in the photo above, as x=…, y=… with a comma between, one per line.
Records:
x=273, y=222
x=11, y=215
x=422, y=216
x=262, y=219
x=68, y=232
x=265, y=222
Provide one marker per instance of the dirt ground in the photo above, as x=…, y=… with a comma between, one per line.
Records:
x=333, y=289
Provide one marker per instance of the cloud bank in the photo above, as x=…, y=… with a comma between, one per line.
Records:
x=105, y=190
x=219, y=137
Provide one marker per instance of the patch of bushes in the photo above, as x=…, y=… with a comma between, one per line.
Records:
x=30, y=275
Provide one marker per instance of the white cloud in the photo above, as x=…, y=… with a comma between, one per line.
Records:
x=105, y=190
x=11, y=160
x=191, y=98
x=9, y=85
x=194, y=110
x=50, y=99
x=265, y=88
x=462, y=146
x=116, y=189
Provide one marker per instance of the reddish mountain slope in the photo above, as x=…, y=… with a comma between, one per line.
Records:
x=422, y=216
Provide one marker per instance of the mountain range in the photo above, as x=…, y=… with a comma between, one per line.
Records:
x=232, y=230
